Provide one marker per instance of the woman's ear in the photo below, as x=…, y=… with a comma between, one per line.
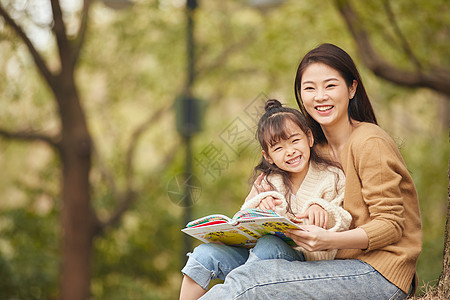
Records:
x=310, y=136
x=352, y=89
x=266, y=157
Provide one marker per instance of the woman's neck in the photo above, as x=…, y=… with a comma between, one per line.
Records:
x=336, y=137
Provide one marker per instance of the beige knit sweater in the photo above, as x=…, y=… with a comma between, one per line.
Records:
x=381, y=197
x=322, y=186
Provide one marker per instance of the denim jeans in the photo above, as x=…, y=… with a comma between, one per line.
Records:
x=211, y=261
x=327, y=279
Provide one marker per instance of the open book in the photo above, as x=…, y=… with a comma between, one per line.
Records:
x=242, y=230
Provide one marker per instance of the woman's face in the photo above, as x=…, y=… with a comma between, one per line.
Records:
x=326, y=95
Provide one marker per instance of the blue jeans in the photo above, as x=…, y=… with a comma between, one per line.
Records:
x=327, y=279
x=211, y=261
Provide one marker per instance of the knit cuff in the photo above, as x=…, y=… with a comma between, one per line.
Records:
x=255, y=201
x=340, y=217
x=379, y=233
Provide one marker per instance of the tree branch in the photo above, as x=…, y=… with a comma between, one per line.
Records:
x=404, y=43
x=59, y=29
x=435, y=78
x=81, y=31
x=127, y=198
x=38, y=60
x=137, y=134
x=222, y=58
x=27, y=135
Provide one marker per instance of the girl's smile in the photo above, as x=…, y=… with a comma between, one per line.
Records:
x=294, y=161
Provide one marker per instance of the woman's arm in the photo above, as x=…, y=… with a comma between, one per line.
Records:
x=314, y=238
x=381, y=171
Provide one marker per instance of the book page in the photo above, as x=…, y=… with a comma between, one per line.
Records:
x=209, y=219
x=224, y=234
x=254, y=213
x=273, y=225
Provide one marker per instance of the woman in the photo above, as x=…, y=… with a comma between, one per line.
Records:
x=377, y=256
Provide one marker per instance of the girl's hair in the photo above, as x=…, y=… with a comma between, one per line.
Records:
x=359, y=107
x=271, y=129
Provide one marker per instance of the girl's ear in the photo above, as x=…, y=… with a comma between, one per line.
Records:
x=310, y=138
x=266, y=157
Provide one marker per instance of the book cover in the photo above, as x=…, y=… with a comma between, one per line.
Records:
x=243, y=230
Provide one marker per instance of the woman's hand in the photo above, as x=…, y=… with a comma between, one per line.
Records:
x=259, y=186
x=316, y=215
x=312, y=238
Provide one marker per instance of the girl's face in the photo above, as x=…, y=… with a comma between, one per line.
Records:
x=326, y=95
x=291, y=154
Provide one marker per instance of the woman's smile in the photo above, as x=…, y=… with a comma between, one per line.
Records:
x=324, y=108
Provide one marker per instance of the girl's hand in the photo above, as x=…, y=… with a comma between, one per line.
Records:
x=259, y=186
x=312, y=238
x=316, y=215
x=269, y=203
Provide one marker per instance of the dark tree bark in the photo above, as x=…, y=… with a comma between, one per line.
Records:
x=444, y=279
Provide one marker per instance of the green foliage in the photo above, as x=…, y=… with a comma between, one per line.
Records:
x=430, y=176
x=31, y=248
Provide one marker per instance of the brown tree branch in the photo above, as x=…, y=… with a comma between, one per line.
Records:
x=28, y=135
x=403, y=41
x=127, y=198
x=435, y=78
x=59, y=29
x=137, y=134
x=222, y=58
x=444, y=278
x=81, y=31
x=39, y=61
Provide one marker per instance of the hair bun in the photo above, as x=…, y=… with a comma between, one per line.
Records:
x=272, y=103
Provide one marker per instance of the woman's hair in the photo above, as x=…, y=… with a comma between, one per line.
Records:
x=271, y=129
x=359, y=107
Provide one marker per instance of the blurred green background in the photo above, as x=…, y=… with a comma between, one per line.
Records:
x=132, y=68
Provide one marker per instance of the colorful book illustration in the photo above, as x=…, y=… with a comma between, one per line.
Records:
x=242, y=230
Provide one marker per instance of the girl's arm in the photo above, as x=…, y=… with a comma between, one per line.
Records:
x=262, y=196
x=257, y=187
x=331, y=200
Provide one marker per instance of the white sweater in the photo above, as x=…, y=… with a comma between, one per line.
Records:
x=321, y=187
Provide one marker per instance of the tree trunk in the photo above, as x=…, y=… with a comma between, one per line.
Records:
x=444, y=279
x=78, y=218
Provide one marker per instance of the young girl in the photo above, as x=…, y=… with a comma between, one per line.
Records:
x=295, y=180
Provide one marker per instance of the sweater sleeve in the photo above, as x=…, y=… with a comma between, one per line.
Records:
x=331, y=202
x=378, y=163
x=255, y=201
